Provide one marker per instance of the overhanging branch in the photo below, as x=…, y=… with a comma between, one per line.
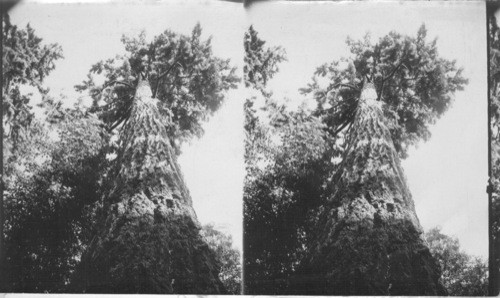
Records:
x=390, y=76
x=346, y=85
x=176, y=62
x=116, y=82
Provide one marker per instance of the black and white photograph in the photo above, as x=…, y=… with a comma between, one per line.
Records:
x=366, y=149
x=261, y=148
x=123, y=147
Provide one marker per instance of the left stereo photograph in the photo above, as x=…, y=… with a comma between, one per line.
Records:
x=123, y=148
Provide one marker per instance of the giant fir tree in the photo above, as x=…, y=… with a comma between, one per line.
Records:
x=369, y=238
x=368, y=242
x=149, y=238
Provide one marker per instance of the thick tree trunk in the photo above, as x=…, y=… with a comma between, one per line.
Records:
x=369, y=242
x=149, y=241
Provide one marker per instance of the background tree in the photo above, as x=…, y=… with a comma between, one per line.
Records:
x=494, y=108
x=288, y=155
x=26, y=61
x=52, y=192
x=278, y=143
x=227, y=255
x=261, y=63
x=462, y=274
x=283, y=187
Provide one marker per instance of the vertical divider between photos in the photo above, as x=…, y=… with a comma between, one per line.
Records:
x=491, y=8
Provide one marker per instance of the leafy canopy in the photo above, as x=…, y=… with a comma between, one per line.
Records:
x=52, y=190
x=26, y=61
x=227, y=255
x=285, y=167
x=410, y=77
x=261, y=63
x=184, y=74
x=462, y=274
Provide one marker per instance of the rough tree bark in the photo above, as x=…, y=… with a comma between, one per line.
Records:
x=149, y=241
x=369, y=239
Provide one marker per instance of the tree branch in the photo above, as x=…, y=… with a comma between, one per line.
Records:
x=121, y=120
x=390, y=76
x=395, y=69
x=116, y=82
x=347, y=122
x=346, y=85
x=53, y=46
x=164, y=74
x=381, y=91
x=116, y=123
x=342, y=126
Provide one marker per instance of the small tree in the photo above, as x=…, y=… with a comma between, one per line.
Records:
x=227, y=255
x=462, y=274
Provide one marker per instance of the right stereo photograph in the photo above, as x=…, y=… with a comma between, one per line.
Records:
x=367, y=129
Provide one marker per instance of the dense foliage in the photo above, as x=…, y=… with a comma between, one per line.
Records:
x=260, y=63
x=184, y=74
x=462, y=274
x=281, y=192
x=283, y=151
x=227, y=255
x=52, y=192
x=26, y=61
x=292, y=156
x=494, y=96
x=415, y=83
